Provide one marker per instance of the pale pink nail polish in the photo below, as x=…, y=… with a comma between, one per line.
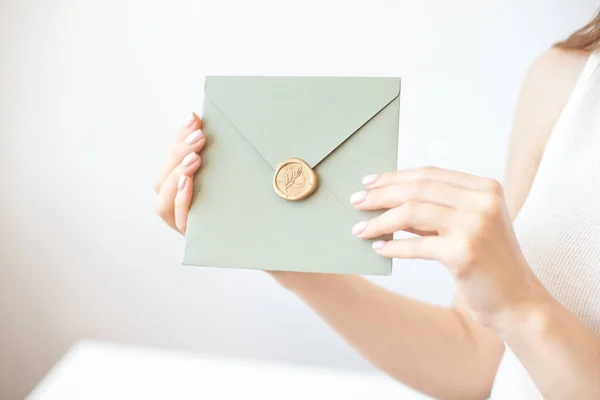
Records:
x=369, y=179
x=190, y=122
x=358, y=197
x=358, y=228
x=194, y=137
x=182, y=181
x=189, y=159
x=378, y=244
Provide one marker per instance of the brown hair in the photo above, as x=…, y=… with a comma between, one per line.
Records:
x=586, y=38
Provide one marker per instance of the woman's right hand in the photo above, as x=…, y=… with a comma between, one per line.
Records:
x=174, y=183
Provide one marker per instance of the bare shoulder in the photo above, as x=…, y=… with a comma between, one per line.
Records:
x=548, y=86
x=562, y=58
x=544, y=94
x=560, y=61
x=550, y=82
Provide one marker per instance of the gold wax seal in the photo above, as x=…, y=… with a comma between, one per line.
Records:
x=294, y=179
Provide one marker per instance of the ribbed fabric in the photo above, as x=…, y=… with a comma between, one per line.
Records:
x=559, y=225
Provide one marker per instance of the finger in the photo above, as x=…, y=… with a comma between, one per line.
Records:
x=177, y=154
x=191, y=125
x=182, y=202
x=427, y=191
x=165, y=201
x=426, y=248
x=409, y=216
x=189, y=139
x=420, y=233
x=455, y=178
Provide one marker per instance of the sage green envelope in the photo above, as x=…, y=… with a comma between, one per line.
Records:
x=344, y=128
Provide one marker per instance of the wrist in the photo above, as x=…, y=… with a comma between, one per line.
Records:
x=294, y=280
x=312, y=282
x=283, y=278
x=529, y=317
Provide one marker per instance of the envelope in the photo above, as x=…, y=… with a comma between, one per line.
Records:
x=283, y=155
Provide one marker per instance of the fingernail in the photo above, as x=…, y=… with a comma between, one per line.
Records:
x=358, y=197
x=369, y=179
x=194, y=137
x=190, y=122
x=358, y=228
x=181, y=184
x=189, y=159
x=378, y=244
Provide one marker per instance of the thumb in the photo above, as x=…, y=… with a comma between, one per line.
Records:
x=182, y=202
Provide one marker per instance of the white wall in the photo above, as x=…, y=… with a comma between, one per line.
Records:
x=91, y=93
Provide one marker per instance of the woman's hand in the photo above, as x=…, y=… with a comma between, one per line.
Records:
x=462, y=222
x=173, y=182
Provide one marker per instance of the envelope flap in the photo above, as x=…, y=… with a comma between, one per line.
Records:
x=297, y=117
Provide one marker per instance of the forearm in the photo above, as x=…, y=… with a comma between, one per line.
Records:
x=560, y=354
x=429, y=348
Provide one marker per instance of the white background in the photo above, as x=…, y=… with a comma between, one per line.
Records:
x=91, y=94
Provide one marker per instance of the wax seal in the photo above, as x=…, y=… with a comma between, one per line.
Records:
x=294, y=179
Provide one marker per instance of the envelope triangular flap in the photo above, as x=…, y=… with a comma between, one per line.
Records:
x=307, y=118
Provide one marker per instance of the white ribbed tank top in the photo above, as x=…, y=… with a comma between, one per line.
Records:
x=559, y=225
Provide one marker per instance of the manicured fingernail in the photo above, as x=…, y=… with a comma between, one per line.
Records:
x=181, y=183
x=358, y=197
x=358, y=228
x=189, y=159
x=194, y=137
x=369, y=179
x=378, y=244
x=190, y=122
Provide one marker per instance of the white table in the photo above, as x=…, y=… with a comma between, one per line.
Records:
x=96, y=370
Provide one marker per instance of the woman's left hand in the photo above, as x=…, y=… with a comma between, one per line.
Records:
x=461, y=221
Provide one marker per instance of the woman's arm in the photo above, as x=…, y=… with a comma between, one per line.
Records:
x=443, y=352
x=430, y=348
x=439, y=351
x=560, y=354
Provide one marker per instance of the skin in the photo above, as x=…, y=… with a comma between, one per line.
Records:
x=465, y=222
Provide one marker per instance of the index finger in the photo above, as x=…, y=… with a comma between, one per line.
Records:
x=430, y=173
